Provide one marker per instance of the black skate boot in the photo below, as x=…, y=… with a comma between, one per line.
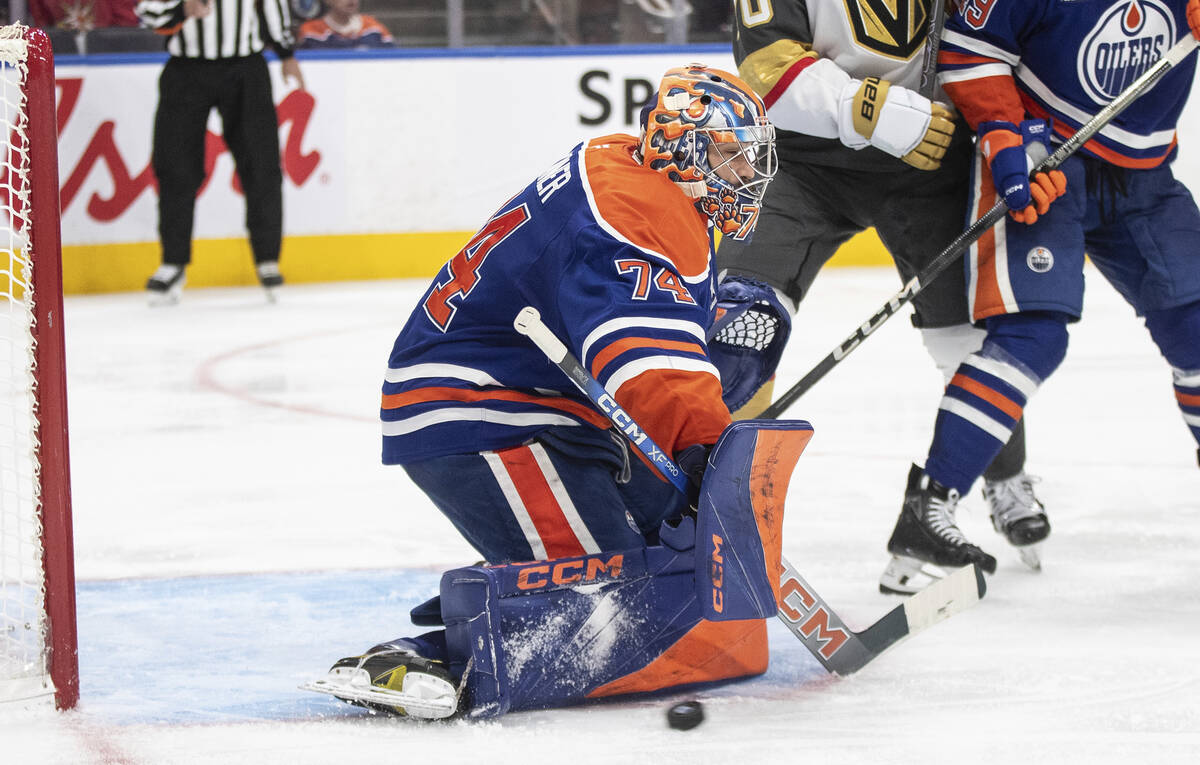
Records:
x=395, y=679
x=269, y=277
x=1019, y=516
x=925, y=534
x=165, y=286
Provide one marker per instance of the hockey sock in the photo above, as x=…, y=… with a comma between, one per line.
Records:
x=987, y=395
x=1176, y=332
x=948, y=346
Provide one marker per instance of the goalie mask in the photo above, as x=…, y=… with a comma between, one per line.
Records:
x=708, y=132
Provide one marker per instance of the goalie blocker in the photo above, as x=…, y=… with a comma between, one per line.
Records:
x=690, y=609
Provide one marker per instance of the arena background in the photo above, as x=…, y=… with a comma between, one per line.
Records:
x=391, y=158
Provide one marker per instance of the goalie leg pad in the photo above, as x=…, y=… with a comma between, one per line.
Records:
x=558, y=632
x=739, y=519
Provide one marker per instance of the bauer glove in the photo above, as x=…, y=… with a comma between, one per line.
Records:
x=1193, y=17
x=895, y=120
x=1005, y=147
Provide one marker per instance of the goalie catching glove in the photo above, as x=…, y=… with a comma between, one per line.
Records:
x=895, y=120
x=747, y=338
x=1005, y=148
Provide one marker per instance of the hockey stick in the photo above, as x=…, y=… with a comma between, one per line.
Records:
x=933, y=43
x=840, y=649
x=950, y=254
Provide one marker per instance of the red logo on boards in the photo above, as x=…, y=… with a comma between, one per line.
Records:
x=295, y=111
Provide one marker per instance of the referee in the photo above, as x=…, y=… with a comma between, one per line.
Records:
x=216, y=61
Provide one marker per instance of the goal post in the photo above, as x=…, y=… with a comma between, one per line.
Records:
x=38, y=646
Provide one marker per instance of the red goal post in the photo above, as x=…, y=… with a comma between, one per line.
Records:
x=38, y=648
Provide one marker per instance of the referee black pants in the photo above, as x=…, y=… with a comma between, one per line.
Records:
x=240, y=90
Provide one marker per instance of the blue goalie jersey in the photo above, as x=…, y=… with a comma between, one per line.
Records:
x=618, y=261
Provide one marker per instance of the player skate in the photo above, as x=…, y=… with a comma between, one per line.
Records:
x=926, y=534
x=393, y=678
x=1019, y=516
x=166, y=284
x=269, y=277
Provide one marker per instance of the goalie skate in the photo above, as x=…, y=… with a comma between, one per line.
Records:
x=394, y=681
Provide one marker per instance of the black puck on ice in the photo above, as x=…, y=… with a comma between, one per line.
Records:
x=685, y=715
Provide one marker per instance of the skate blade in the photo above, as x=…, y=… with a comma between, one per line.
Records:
x=907, y=576
x=1031, y=555
x=272, y=295
x=164, y=299
x=434, y=700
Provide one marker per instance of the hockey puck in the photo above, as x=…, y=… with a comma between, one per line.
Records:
x=685, y=715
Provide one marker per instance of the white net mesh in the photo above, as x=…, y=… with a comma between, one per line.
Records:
x=23, y=650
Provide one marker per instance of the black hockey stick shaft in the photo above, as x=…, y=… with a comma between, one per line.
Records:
x=936, y=19
x=840, y=649
x=952, y=251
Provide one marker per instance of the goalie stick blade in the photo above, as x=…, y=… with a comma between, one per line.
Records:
x=843, y=651
x=432, y=704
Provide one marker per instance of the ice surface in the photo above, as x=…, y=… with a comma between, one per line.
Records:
x=235, y=534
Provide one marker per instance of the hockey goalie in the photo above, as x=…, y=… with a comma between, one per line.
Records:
x=599, y=577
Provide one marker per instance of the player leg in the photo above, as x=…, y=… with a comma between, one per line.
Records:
x=180, y=126
x=1157, y=218
x=1176, y=331
x=559, y=495
x=687, y=610
x=567, y=629
x=1027, y=283
x=252, y=132
x=931, y=207
x=799, y=229
x=571, y=491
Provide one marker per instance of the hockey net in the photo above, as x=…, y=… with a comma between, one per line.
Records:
x=38, y=659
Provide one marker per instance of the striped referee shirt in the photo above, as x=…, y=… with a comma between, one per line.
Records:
x=233, y=29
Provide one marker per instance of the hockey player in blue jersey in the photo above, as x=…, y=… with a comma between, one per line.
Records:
x=1025, y=71
x=591, y=575
x=865, y=142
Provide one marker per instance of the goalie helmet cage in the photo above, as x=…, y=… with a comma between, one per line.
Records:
x=38, y=649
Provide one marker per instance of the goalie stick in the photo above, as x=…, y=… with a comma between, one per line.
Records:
x=840, y=649
x=950, y=254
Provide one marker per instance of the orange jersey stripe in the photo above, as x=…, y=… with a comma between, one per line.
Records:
x=424, y=395
x=676, y=408
x=954, y=57
x=986, y=98
x=644, y=207
x=556, y=534
x=988, y=299
x=617, y=347
x=1105, y=153
x=1001, y=402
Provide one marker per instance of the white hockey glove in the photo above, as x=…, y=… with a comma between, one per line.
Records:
x=895, y=120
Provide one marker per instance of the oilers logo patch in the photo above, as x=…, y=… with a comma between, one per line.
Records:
x=1040, y=260
x=1124, y=43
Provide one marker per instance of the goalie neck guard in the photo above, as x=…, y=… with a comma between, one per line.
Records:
x=708, y=132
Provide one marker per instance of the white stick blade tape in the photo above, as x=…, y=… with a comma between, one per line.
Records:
x=942, y=599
